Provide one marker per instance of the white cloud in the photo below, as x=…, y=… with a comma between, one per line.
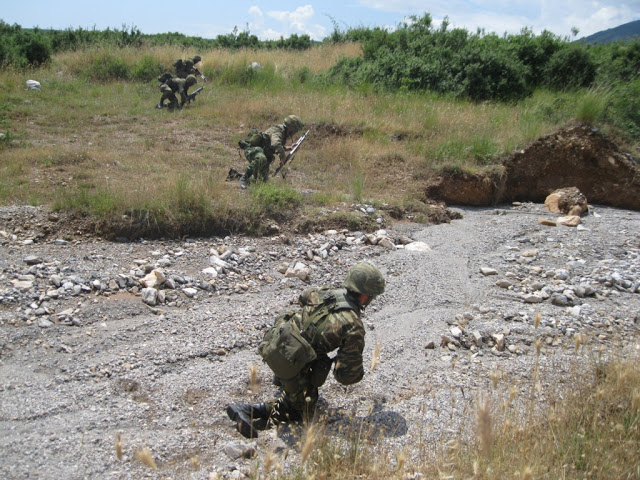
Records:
x=501, y=16
x=270, y=34
x=294, y=20
x=297, y=21
x=255, y=10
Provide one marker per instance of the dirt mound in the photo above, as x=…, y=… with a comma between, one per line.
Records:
x=576, y=156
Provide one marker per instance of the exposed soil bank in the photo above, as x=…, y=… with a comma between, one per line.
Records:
x=577, y=156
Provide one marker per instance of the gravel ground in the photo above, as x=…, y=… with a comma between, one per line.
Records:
x=85, y=361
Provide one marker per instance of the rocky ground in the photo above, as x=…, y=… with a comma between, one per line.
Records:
x=111, y=349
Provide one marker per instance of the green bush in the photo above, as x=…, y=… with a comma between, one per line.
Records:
x=107, y=67
x=23, y=48
x=147, y=69
x=618, y=62
x=625, y=108
x=592, y=105
x=534, y=52
x=570, y=67
x=36, y=49
x=489, y=72
x=302, y=75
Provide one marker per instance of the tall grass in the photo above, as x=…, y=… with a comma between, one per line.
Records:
x=590, y=428
x=593, y=104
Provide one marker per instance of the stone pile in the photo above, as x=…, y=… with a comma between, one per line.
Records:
x=38, y=290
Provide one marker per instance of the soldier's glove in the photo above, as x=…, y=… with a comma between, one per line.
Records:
x=320, y=369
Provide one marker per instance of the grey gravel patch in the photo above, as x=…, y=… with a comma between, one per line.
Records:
x=84, y=358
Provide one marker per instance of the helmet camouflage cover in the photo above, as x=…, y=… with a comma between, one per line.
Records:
x=191, y=80
x=293, y=122
x=196, y=59
x=365, y=278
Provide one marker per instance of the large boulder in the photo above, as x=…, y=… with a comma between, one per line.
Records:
x=566, y=201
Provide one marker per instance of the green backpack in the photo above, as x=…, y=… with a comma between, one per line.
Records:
x=284, y=349
x=255, y=138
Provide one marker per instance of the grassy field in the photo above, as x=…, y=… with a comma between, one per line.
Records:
x=100, y=147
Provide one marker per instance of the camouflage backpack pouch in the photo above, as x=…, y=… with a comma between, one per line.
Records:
x=255, y=138
x=284, y=349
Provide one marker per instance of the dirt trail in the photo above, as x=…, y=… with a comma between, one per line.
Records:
x=159, y=377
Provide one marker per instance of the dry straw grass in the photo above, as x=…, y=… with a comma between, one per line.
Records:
x=145, y=456
x=118, y=446
x=254, y=379
x=588, y=429
x=375, y=358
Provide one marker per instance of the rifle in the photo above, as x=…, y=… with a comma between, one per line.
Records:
x=200, y=73
x=291, y=153
x=192, y=95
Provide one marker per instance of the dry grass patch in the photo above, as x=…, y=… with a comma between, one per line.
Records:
x=101, y=146
x=588, y=428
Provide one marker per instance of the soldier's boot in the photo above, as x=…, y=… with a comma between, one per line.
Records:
x=160, y=105
x=249, y=418
x=244, y=179
x=233, y=174
x=281, y=412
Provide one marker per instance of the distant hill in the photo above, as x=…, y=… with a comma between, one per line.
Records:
x=622, y=32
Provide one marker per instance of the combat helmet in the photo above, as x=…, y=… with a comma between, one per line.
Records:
x=196, y=59
x=365, y=278
x=293, y=122
x=190, y=80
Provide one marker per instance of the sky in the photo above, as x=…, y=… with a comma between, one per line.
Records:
x=317, y=18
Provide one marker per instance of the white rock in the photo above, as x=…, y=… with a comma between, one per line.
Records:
x=532, y=298
x=387, y=243
x=150, y=296
x=153, y=279
x=456, y=332
x=299, y=270
x=210, y=271
x=33, y=85
x=218, y=262
x=190, y=292
x=499, y=339
x=486, y=271
x=417, y=247
x=23, y=286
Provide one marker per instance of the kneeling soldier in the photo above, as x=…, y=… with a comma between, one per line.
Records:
x=296, y=349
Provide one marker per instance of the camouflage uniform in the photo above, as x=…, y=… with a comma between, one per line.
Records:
x=260, y=158
x=174, y=86
x=186, y=67
x=329, y=320
x=258, y=163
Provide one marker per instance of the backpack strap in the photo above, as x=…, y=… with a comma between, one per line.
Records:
x=328, y=301
x=344, y=302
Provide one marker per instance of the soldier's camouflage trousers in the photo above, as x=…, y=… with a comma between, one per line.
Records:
x=258, y=164
x=167, y=94
x=300, y=393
